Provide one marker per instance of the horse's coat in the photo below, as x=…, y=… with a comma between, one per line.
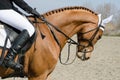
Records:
x=41, y=58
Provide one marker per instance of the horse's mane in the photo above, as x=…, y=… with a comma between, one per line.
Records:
x=69, y=8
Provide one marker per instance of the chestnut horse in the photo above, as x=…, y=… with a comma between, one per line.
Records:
x=58, y=26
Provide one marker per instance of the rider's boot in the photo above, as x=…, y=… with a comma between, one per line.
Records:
x=14, y=50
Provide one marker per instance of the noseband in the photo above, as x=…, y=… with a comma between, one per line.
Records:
x=83, y=57
x=91, y=39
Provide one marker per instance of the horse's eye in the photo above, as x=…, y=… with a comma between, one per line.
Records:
x=99, y=37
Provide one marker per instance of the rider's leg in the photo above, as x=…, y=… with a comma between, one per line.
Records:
x=19, y=22
x=16, y=20
x=15, y=49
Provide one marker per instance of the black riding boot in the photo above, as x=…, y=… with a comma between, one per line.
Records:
x=14, y=50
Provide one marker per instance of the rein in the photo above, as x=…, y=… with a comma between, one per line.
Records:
x=49, y=25
x=92, y=37
x=71, y=41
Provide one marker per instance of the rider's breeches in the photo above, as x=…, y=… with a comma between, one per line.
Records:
x=16, y=20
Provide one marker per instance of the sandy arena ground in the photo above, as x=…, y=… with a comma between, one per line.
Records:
x=103, y=65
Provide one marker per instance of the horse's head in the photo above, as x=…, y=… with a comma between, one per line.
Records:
x=87, y=24
x=89, y=35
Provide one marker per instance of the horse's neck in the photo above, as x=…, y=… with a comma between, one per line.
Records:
x=64, y=23
x=68, y=22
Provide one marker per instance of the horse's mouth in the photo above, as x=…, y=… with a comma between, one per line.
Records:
x=83, y=56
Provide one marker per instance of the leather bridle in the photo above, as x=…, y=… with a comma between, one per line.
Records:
x=91, y=39
x=71, y=41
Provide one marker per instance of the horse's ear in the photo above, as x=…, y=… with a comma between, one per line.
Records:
x=99, y=17
x=107, y=20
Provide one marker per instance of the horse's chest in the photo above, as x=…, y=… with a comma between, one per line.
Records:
x=43, y=61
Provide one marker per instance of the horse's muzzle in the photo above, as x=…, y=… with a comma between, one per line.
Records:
x=82, y=56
